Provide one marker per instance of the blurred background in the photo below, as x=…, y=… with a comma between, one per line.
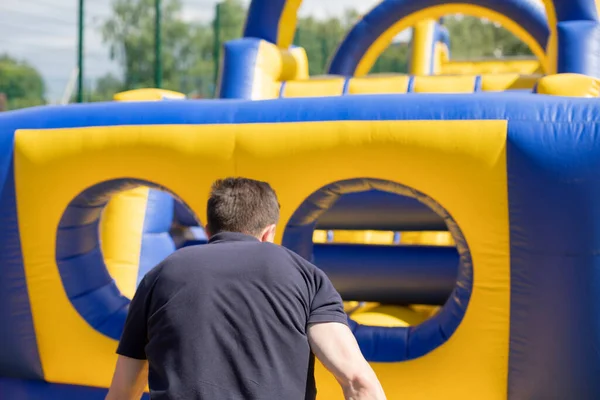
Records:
x=44, y=47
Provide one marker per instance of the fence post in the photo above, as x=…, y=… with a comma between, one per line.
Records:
x=80, y=27
x=217, y=46
x=157, y=44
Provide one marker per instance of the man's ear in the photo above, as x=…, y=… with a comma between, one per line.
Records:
x=207, y=231
x=268, y=234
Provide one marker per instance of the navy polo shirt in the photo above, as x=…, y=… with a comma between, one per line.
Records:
x=228, y=320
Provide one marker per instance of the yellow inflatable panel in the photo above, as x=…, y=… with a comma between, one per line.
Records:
x=122, y=221
x=295, y=64
x=441, y=56
x=149, y=94
x=393, y=83
x=315, y=87
x=319, y=236
x=390, y=316
x=518, y=66
x=444, y=84
x=363, y=237
x=501, y=82
x=571, y=85
x=373, y=84
x=121, y=237
x=287, y=23
x=267, y=72
x=274, y=65
x=427, y=238
x=423, y=39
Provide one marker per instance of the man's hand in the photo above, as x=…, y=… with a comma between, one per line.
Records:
x=335, y=346
x=129, y=380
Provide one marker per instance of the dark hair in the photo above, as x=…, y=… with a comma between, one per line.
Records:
x=241, y=205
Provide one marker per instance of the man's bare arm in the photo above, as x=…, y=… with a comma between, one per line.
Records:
x=129, y=380
x=335, y=346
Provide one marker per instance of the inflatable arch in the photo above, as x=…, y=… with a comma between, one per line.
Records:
x=574, y=30
x=374, y=32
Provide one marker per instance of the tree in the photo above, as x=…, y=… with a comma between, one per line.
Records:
x=201, y=70
x=472, y=37
x=187, y=48
x=21, y=83
x=106, y=87
x=130, y=34
x=393, y=59
x=321, y=38
x=232, y=19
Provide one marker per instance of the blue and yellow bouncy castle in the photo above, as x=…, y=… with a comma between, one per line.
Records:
x=90, y=195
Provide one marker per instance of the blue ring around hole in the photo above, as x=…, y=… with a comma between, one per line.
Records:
x=384, y=344
x=89, y=287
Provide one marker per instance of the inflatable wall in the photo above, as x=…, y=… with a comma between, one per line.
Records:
x=503, y=307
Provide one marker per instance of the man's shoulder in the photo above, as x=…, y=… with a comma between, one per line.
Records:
x=180, y=257
x=285, y=252
x=295, y=261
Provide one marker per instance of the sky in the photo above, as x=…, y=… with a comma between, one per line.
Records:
x=44, y=33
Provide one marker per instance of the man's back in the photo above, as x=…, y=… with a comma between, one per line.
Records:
x=237, y=319
x=228, y=320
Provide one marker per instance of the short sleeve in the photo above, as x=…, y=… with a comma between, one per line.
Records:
x=326, y=306
x=135, y=334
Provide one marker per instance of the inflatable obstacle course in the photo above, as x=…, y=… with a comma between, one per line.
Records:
x=459, y=225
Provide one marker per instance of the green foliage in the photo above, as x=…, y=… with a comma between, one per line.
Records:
x=201, y=67
x=393, y=59
x=321, y=38
x=472, y=38
x=232, y=19
x=187, y=48
x=21, y=83
x=130, y=34
x=106, y=87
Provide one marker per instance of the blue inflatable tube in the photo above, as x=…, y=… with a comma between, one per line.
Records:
x=379, y=210
x=390, y=274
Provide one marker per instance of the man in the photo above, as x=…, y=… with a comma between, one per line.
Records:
x=238, y=318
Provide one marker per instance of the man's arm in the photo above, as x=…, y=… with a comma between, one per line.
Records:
x=129, y=380
x=335, y=346
x=131, y=372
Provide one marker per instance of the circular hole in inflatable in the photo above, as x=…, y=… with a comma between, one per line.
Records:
x=395, y=255
x=109, y=236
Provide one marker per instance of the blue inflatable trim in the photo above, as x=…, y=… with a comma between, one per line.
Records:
x=382, y=344
x=19, y=354
x=157, y=243
x=382, y=211
x=579, y=48
x=88, y=285
x=263, y=19
x=237, y=75
x=555, y=262
x=529, y=14
x=21, y=389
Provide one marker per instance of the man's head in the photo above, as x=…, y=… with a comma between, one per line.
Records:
x=242, y=205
